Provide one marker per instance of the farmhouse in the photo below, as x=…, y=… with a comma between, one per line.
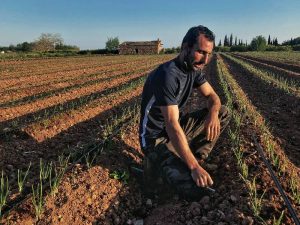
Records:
x=140, y=47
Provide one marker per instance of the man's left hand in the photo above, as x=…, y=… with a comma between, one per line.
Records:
x=212, y=126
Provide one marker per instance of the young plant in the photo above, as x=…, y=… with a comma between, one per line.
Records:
x=90, y=159
x=278, y=222
x=37, y=199
x=59, y=171
x=22, y=177
x=45, y=170
x=120, y=175
x=256, y=202
x=244, y=169
x=4, y=191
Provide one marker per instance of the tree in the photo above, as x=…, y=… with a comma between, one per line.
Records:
x=220, y=43
x=258, y=43
x=275, y=42
x=112, y=43
x=269, y=40
x=47, y=42
x=235, y=41
x=230, y=40
x=226, y=42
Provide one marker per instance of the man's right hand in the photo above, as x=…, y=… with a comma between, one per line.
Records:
x=201, y=177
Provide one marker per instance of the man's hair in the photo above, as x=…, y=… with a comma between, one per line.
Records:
x=193, y=33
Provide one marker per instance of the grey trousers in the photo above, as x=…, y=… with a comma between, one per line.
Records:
x=161, y=159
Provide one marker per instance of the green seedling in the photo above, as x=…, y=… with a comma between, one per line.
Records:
x=37, y=199
x=120, y=175
x=4, y=191
x=22, y=177
x=279, y=221
x=256, y=201
x=244, y=169
x=45, y=170
x=89, y=160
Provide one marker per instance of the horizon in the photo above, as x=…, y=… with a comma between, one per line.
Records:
x=89, y=25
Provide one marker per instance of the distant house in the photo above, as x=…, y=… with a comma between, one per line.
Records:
x=140, y=47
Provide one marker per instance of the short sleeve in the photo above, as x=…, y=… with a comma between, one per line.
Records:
x=199, y=80
x=165, y=87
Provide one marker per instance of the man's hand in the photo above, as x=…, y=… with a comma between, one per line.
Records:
x=201, y=177
x=212, y=126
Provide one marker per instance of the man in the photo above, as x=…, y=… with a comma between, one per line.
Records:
x=174, y=144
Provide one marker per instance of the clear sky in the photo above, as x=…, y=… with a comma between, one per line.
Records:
x=88, y=23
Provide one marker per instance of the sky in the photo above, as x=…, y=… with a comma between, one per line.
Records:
x=89, y=23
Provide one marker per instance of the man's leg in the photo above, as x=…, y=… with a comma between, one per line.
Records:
x=173, y=169
x=193, y=126
x=162, y=159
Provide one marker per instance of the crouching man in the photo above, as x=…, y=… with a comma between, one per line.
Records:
x=174, y=144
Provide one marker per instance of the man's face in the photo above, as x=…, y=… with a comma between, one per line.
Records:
x=198, y=56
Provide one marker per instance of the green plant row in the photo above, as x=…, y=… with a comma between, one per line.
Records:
x=288, y=86
x=279, y=161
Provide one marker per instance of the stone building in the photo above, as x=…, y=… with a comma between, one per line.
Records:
x=140, y=47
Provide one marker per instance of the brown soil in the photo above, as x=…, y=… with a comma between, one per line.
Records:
x=33, y=93
x=90, y=196
x=12, y=69
x=47, y=77
x=20, y=110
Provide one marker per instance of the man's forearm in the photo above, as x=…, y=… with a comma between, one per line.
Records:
x=179, y=141
x=214, y=104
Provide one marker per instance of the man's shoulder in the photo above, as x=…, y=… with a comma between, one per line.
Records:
x=167, y=70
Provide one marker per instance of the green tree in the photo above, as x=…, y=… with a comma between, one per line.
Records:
x=258, y=43
x=112, y=43
x=275, y=42
x=220, y=43
x=226, y=42
x=235, y=41
x=230, y=40
x=269, y=40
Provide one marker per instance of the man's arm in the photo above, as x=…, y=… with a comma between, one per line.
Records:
x=212, y=123
x=179, y=141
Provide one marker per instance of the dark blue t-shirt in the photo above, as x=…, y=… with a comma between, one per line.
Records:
x=169, y=84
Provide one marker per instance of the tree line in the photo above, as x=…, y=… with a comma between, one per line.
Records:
x=47, y=42
x=258, y=43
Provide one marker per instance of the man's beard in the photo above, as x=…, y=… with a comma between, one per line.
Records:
x=191, y=65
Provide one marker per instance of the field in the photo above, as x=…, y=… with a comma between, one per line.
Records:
x=69, y=131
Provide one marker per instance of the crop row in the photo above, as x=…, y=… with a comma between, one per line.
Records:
x=51, y=173
x=286, y=170
x=293, y=77
x=33, y=94
x=43, y=66
x=32, y=80
x=283, y=57
x=285, y=84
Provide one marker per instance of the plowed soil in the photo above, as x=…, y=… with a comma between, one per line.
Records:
x=91, y=196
